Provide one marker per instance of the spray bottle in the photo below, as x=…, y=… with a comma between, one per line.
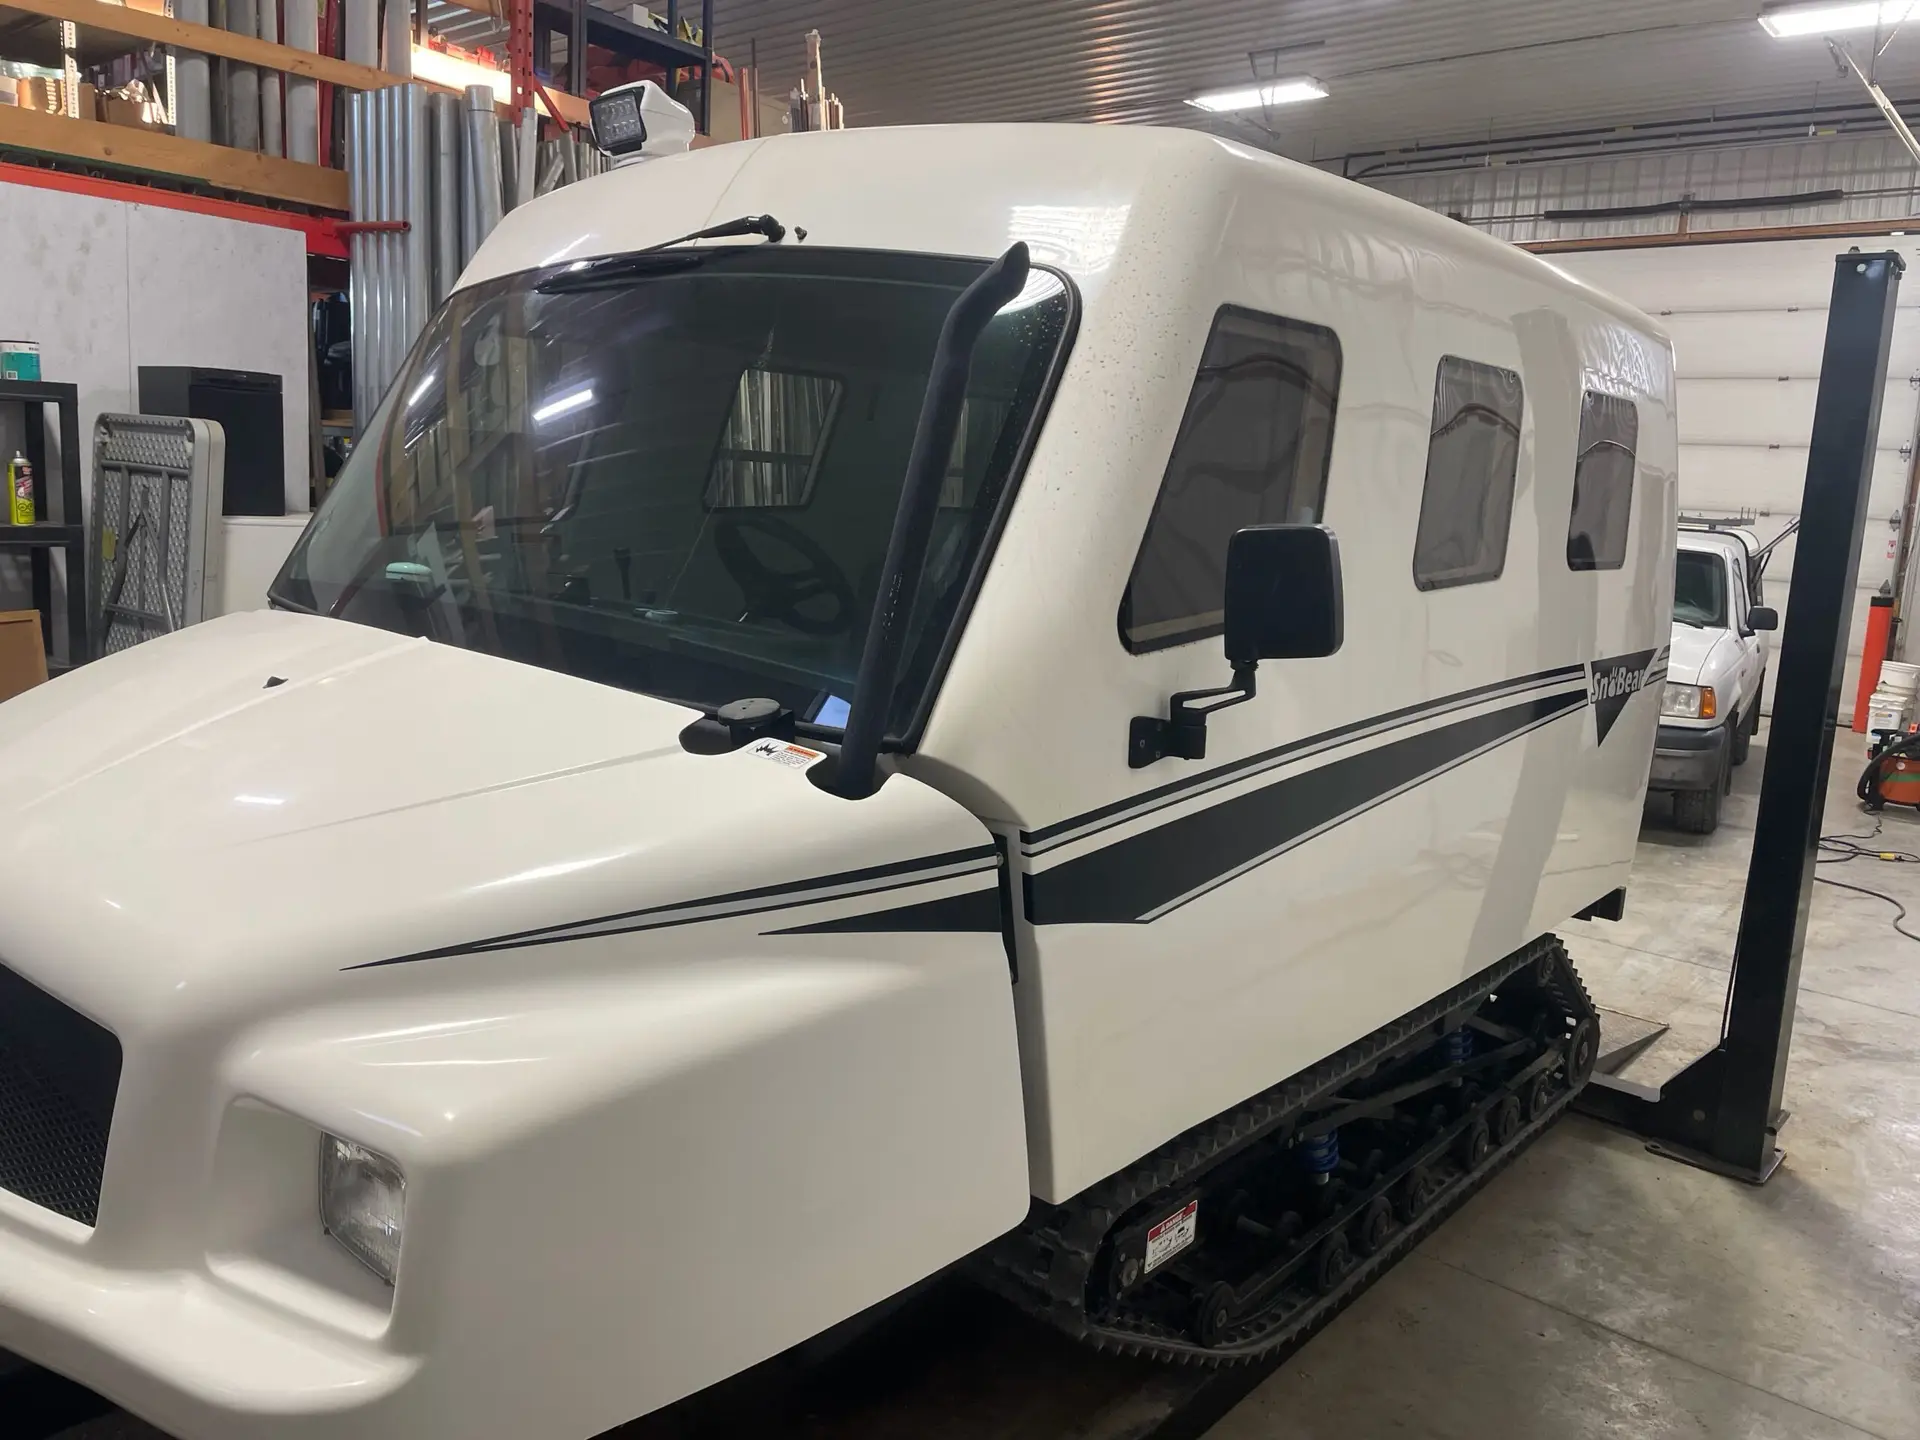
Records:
x=20, y=489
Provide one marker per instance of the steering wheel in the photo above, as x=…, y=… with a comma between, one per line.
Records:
x=777, y=594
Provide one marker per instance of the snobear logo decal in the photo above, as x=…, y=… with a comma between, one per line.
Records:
x=1613, y=682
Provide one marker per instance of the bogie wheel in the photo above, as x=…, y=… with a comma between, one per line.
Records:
x=1375, y=1226
x=1540, y=1095
x=1582, y=1050
x=1415, y=1194
x=1507, y=1119
x=1214, y=1313
x=1474, y=1143
x=1332, y=1263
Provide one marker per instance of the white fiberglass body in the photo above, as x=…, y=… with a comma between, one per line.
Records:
x=684, y=1058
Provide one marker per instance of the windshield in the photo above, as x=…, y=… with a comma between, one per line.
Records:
x=1699, y=588
x=679, y=475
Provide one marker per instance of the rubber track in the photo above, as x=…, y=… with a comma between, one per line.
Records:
x=1046, y=1267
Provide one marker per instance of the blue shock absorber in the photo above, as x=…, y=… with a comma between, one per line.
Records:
x=1321, y=1155
x=1459, y=1045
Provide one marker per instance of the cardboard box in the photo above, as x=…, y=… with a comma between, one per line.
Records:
x=131, y=113
x=41, y=93
x=23, y=664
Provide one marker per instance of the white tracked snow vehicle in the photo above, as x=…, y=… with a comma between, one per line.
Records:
x=741, y=803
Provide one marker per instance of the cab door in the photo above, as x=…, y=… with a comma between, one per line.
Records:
x=1752, y=666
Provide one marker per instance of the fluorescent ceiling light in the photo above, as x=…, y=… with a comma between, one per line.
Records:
x=561, y=406
x=1277, y=92
x=455, y=72
x=1830, y=17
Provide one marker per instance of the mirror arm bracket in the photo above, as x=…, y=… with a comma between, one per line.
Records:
x=1183, y=733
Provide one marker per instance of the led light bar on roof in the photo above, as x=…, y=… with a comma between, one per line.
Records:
x=1254, y=97
x=1830, y=17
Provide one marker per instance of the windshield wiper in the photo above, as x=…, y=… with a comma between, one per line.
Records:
x=746, y=225
x=661, y=259
x=1696, y=624
x=594, y=274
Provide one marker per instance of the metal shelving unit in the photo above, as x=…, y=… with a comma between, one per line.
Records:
x=583, y=25
x=47, y=535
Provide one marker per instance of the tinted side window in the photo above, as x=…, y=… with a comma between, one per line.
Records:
x=1603, y=483
x=1472, y=457
x=1253, y=449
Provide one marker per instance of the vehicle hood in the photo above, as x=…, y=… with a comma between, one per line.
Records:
x=1693, y=654
x=256, y=805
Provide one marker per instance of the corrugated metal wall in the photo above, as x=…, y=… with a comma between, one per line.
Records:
x=1878, y=175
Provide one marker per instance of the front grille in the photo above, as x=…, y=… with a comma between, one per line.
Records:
x=59, y=1074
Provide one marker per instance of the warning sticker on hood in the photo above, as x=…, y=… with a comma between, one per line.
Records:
x=785, y=752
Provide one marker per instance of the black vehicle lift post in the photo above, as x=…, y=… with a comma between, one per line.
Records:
x=1723, y=1112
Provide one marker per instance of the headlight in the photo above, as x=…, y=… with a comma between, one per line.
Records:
x=363, y=1200
x=1688, y=702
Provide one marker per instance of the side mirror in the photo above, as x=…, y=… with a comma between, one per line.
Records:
x=1283, y=597
x=1283, y=602
x=1763, y=617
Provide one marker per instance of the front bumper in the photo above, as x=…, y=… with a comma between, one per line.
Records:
x=566, y=1227
x=184, y=1352
x=1688, y=759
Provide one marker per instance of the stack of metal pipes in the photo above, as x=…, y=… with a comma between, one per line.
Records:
x=429, y=175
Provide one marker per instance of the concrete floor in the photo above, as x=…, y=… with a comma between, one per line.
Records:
x=1597, y=1290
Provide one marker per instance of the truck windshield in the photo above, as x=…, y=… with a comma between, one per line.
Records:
x=1699, y=588
x=680, y=480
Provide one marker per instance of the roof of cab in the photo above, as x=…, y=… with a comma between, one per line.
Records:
x=1070, y=191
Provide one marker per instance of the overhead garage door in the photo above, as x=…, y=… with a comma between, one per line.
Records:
x=1749, y=325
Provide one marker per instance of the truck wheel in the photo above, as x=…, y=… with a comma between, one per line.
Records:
x=1698, y=811
x=1739, y=735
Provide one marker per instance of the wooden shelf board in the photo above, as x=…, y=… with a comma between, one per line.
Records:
x=156, y=153
x=144, y=28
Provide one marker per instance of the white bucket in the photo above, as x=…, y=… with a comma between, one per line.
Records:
x=1899, y=678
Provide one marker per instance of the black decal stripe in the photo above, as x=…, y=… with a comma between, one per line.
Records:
x=1148, y=874
x=975, y=912
x=848, y=884
x=1037, y=842
x=1370, y=803
x=1008, y=936
x=1615, y=681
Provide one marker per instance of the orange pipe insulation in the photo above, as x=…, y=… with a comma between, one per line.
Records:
x=1873, y=654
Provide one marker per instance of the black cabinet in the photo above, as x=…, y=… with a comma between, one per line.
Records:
x=46, y=536
x=249, y=408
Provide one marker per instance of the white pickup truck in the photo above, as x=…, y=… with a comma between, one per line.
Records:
x=1710, y=707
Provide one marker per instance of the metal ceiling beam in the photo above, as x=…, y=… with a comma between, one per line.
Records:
x=1879, y=98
